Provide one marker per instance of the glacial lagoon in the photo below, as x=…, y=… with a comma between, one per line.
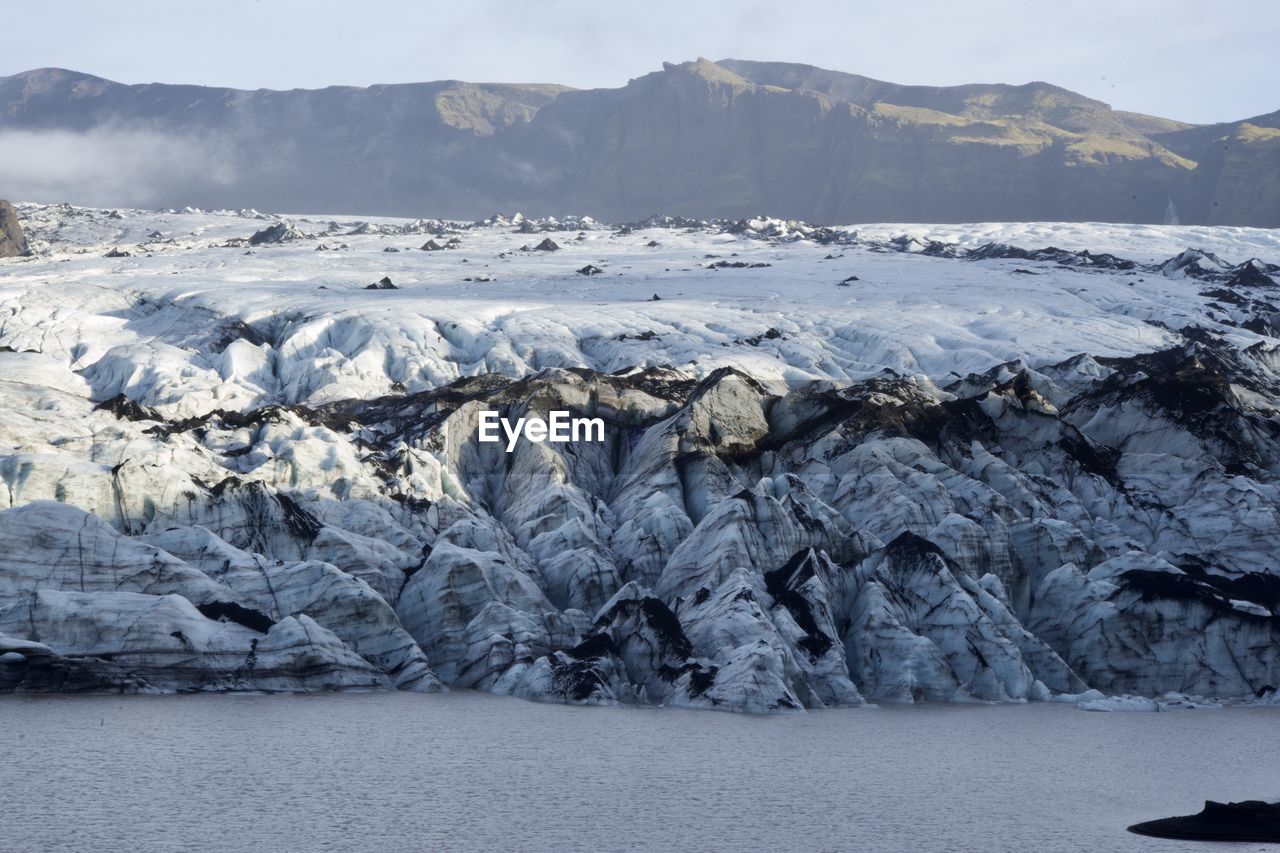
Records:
x=470, y=771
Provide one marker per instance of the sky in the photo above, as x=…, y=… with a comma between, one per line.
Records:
x=1194, y=60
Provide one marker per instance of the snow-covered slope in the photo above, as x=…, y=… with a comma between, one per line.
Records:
x=840, y=465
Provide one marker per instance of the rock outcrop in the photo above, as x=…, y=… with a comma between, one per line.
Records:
x=13, y=243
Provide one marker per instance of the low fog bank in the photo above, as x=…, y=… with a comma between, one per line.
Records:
x=114, y=167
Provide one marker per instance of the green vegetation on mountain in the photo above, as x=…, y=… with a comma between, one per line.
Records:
x=729, y=138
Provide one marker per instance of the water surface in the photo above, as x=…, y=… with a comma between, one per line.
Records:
x=468, y=771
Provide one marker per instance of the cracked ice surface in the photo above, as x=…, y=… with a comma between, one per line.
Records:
x=887, y=463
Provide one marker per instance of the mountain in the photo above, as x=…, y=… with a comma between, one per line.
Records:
x=730, y=138
x=1237, y=178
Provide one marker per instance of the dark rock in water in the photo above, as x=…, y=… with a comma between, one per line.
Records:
x=383, y=283
x=390, y=249
x=655, y=298
x=653, y=244
x=547, y=245
x=431, y=246
x=848, y=281
x=116, y=253
x=590, y=270
x=1250, y=820
x=322, y=248
x=13, y=243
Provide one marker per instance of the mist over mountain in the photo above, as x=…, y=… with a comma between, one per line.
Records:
x=730, y=139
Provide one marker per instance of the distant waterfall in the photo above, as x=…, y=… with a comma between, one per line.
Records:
x=1171, y=213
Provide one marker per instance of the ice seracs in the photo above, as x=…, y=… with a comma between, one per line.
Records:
x=228, y=472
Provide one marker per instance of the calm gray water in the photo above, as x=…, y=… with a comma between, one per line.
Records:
x=466, y=771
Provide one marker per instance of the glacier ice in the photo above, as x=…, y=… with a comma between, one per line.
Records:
x=950, y=480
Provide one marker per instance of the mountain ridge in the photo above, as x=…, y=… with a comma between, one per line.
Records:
x=730, y=138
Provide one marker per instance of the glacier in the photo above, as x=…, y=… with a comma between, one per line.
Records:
x=840, y=466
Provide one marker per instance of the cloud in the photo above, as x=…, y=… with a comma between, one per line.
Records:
x=111, y=166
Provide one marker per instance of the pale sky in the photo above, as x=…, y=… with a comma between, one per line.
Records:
x=1195, y=60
